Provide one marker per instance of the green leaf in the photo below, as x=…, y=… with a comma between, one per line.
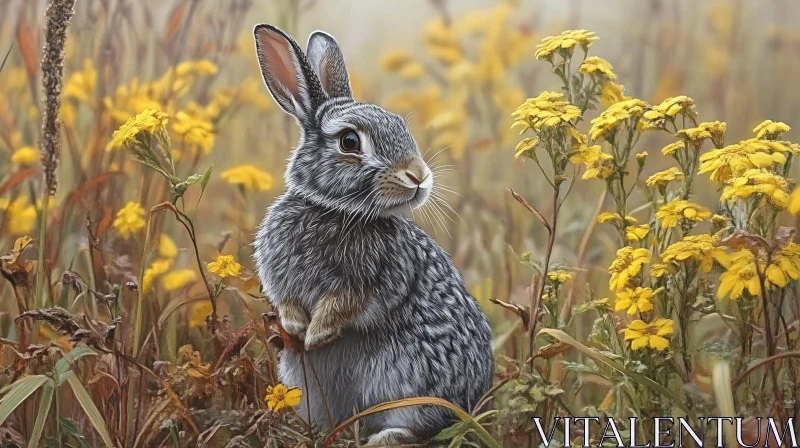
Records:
x=91, y=410
x=71, y=429
x=42, y=412
x=206, y=178
x=457, y=429
x=18, y=392
x=597, y=357
x=70, y=358
x=52, y=442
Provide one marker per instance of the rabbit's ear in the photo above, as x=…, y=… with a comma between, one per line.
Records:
x=287, y=73
x=327, y=60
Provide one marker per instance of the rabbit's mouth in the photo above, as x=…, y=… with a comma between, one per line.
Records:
x=406, y=186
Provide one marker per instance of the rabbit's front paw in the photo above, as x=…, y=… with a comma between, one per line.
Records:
x=319, y=335
x=294, y=319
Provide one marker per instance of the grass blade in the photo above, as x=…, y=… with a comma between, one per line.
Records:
x=480, y=431
x=90, y=409
x=18, y=392
x=70, y=358
x=42, y=412
x=597, y=357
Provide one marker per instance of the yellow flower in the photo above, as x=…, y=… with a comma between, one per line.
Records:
x=560, y=275
x=129, y=219
x=598, y=163
x=696, y=135
x=157, y=268
x=672, y=148
x=634, y=300
x=194, y=130
x=716, y=130
x=606, y=124
x=662, y=178
x=225, y=266
x=21, y=215
x=785, y=263
x=412, y=71
x=741, y=274
x=701, y=248
x=178, y=279
x=640, y=157
x=441, y=41
x=642, y=334
x=149, y=120
x=167, y=247
x=564, y=44
x=668, y=109
x=611, y=93
x=626, y=265
x=249, y=177
x=597, y=66
x=199, y=313
x=548, y=110
x=734, y=160
x=80, y=85
x=671, y=213
x=526, y=147
x=793, y=203
x=658, y=270
x=25, y=156
x=605, y=217
x=637, y=233
x=394, y=60
x=201, y=67
x=280, y=397
x=770, y=130
x=772, y=186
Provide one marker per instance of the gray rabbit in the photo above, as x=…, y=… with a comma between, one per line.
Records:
x=382, y=311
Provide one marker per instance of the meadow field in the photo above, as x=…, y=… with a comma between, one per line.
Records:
x=614, y=182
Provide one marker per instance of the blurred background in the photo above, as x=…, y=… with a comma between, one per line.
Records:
x=457, y=69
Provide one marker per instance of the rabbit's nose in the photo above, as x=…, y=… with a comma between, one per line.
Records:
x=418, y=173
x=413, y=178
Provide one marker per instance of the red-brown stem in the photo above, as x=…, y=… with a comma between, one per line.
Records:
x=537, y=299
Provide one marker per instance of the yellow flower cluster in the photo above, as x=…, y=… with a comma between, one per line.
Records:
x=742, y=273
x=714, y=131
x=672, y=148
x=733, y=160
x=637, y=233
x=249, y=177
x=129, y=219
x=195, y=130
x=626, y=266
x=564, y=43
x=671, y=213
x=702, y=249
x=658, y=115
x=662, y=178
x=598, y=164
x=149, y=120
x=642, y=334
x=770, y=130
x=19, y=214
x=606, y=217
x=758, y=181
x=402, y=63
x=597, y=66
x=605, y=125
x=637, y=300
x=547, y=110
x=560, y=275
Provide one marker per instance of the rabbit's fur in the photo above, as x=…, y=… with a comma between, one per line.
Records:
x=382, y=310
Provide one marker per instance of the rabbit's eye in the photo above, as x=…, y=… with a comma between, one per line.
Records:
x=349, y=142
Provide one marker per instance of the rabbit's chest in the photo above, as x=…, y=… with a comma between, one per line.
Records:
x=305, y=257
